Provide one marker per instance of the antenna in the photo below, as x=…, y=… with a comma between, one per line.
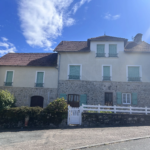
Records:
x=104, y=33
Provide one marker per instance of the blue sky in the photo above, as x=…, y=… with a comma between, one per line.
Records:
x=39, y=25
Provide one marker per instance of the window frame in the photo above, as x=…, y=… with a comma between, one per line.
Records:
x=69, y=71
x=126, y=99
x=43, y=77
x=12, y=76
x=104, y=50
x=140, y=72
x=73, y=97
x=116, y=50
x=110, y=72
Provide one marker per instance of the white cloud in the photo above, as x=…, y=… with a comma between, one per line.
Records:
x=42, y=21
x=4, y=39
x=108, y=16
x=79, y=4
x=6, y=47
x=69, y=22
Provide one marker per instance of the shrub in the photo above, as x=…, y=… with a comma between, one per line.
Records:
x=106, y=112
x=7, y=99
x=54, y=113
x=58, y=105
x=10, y=117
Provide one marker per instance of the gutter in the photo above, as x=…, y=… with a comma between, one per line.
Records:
x=58, y=74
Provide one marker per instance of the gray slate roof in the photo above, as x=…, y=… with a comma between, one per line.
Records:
x=75, y=46
x=134, y=47
x=107, y=38
x=83, y=46
x=29, y=59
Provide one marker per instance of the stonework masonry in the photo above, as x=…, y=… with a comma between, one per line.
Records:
x=95, y=90
x=23, y=94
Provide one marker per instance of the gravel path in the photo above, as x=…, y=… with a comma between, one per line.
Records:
x=57, y=139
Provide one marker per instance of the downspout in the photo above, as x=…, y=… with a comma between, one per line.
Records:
x=58, y=74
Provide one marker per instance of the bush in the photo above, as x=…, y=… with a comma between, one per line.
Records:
x=10, y=117
x=106, y=112
x=58, y=105
x=54, y=113
x=7, y=99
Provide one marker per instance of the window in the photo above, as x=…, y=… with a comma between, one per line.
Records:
x=73, y=100
x=134, y=73
x=126, y=98
x=74, y=72
x=106, y=73
x=39, y=79
x=113, y=50
x=100, y=50
x=9, y=78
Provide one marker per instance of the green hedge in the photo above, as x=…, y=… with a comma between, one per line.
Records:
x=54, y=113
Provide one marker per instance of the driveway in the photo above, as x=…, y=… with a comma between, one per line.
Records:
x=57, y=139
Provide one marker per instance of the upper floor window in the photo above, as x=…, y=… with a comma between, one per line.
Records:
x=126, y=98
x=113, y=50
x=134, y=73
x=100, y=50
x=39, y=79
x=106, y=73
x=9, y=78
x=74, y=72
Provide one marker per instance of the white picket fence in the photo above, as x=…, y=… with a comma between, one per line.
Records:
x=75, y=114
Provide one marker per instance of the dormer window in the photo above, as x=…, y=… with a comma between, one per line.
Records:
x=100, y=50
x=113, y=50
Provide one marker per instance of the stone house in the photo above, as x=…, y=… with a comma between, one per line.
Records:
x=104, y=70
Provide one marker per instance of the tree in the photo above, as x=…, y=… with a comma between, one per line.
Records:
x=7, y=99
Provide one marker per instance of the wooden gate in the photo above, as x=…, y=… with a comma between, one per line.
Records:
x=74, y=115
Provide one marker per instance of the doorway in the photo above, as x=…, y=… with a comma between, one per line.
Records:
x=108, y=99
x=36, y=101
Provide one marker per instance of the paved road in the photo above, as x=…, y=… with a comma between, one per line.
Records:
x=143, y=144
x=58, y=139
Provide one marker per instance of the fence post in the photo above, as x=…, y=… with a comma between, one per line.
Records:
x=115, y=109
x=98, y=108
x=81, y=110
x=146, y=110
x=130, y=110
x=68, y=115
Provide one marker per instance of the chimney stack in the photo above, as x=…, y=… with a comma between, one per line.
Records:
x=138, y=38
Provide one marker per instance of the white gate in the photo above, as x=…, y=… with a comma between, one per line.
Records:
x=74, y=115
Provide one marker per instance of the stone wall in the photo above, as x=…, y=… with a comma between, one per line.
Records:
x=100, y=119
x=23, y=94
x=95, y=90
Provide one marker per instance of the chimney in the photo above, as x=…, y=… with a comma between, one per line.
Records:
x=138, y=38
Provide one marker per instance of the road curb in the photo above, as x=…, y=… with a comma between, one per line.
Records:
x=113, y=142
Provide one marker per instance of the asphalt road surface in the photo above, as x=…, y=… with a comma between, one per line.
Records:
x=62, y=139
x=142, y=144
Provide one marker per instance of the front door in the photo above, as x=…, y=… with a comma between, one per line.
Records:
x=73, y=100
x=36, y=101
x=108, y=99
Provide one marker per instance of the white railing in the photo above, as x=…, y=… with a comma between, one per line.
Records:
x=75, y=114
x=115, y=109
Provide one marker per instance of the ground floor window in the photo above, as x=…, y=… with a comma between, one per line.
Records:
x=126, y=98
x=73, y=100
x=37, y=101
